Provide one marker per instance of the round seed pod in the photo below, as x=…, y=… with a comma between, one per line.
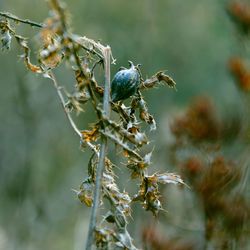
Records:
x=125, y=83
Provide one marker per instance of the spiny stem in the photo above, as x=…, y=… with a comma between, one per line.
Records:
x=17, y=19
x=63, y=104
x=72, y=123
x=101, y=163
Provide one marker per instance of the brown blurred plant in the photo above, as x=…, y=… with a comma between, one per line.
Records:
x=155, y=240
x=240, y=13
x=198, y=123
x=214, y=178
x=240, y=72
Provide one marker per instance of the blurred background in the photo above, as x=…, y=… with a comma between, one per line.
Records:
x=203, y=128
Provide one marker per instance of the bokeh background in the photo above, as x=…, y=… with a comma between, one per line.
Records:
x=40, y=160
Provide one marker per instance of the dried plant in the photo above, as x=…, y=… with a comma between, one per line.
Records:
x=59, y=45
x=218, y=182
x=240, y=72
x=239, y=11
x=239, y=65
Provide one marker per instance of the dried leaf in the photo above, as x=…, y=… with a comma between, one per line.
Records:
x=167, y=79
x=23, y=43
x=156, y=79
x=85, y=195
x=91, y=135
x=165, y=178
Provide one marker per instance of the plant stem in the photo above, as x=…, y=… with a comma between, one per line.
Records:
x=52, y=77
x=17, y=19
x=72, y=123
x=101, y=163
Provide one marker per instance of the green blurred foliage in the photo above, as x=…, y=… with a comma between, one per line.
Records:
x=40, y=160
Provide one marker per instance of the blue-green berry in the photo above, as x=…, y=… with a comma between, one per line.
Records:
x=125, y=83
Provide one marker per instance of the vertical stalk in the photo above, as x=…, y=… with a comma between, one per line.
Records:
x=101, y=163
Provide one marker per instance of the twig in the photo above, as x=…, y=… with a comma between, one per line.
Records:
x=76, y=39
x=52, y=77
x=93, y=99
x=101, y=162
x=95, y=64
x=72, y=123
x=124, y=146
x=80, y=41
x=17, y=19
x=156, y=79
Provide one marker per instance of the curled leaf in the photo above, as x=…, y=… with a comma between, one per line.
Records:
x=165, y=178
x=156, y=79
x=91, y=135
x=23, y=43
x=85, y=194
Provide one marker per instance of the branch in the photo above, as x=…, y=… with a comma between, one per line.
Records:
x=74, y=38
x=80, y=41
x=124, y=146
x=101, y=162
x=156, y=79
x=72, y=123
x=17, y=19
